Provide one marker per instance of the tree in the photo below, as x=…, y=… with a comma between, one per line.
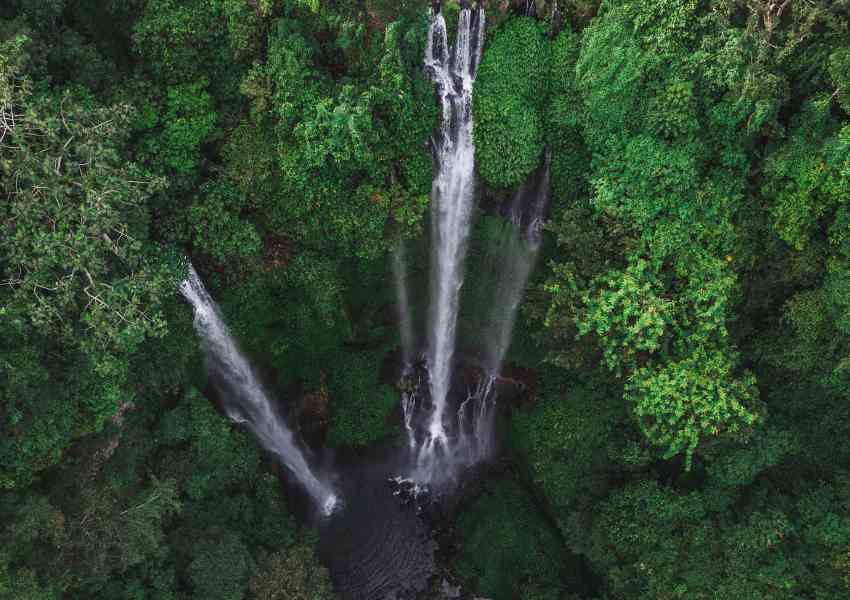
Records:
x=508, y=102
x=169, y=34
x=687, y=402
x=110, y=533
x=218, y=229
x=507, y=547
x=220, y=568
x=573, y=442
x=292, y=574
x=82, y=284
x=647, y=81
x=360, y=406
x=628, y=313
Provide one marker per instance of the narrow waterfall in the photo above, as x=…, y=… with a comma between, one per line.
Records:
x=514, y=256
x=453, y=73
x=405, y=319
x=244, y=400
x=510, y=258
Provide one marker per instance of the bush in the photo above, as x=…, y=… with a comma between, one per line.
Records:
x=509, y=99
x=508, y=546
x=360, y=406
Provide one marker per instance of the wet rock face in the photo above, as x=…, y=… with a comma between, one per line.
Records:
x=515, y=386
x=519, y=7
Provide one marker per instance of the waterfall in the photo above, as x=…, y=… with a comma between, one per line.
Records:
x=510, y=259
x=245, y=401
x=476, y=420
x=403, y=306
x=555, y=19
x=441, y=441
x=409, y=397
x=408, y=394
x=453, y=73
x=513, y=257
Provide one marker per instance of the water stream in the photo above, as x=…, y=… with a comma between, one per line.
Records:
x=244, y=398
x=453, y=72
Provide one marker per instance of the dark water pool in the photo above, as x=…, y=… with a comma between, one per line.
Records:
x=378, y=545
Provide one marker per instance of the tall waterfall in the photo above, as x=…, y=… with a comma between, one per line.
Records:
x=245, y=400
x=453, y=72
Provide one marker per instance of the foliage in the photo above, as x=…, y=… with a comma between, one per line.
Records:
x=508, y=103
x=212, y=441
x=335, y=158
x=221, y=569
x=686, y=402
x=169, y=34
x=292, y=576
x=672, y=545
x=808, y=175
x=562, y=131
x=506, y=543
x=567, y=442
x=629, y=312
x=684, y=343
x=217, y=230
x=360, y=406
x=103, y=538
x=82, y=284
x=188, y=120
x=293, y=316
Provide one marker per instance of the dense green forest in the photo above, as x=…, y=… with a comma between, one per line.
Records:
x=686, y=330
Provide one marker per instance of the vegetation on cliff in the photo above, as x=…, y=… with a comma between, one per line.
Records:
x=688, y=326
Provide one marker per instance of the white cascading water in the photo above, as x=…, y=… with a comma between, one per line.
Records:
x=246, y=401
x=476, y=417
x=453, y=73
